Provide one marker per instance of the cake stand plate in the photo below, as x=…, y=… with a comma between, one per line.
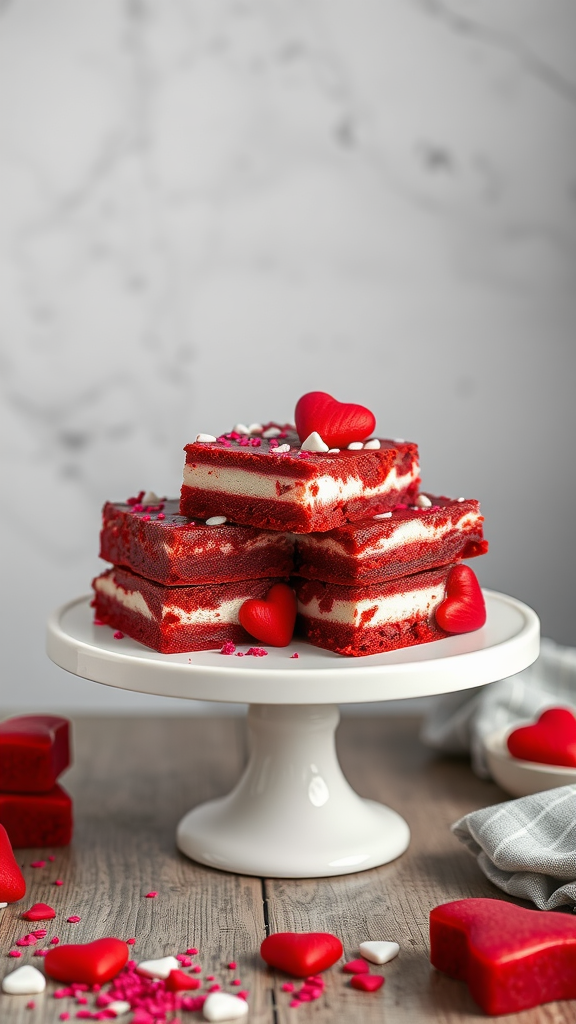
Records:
x=293, y=814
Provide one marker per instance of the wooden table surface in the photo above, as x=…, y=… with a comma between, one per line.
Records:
x=132, y=780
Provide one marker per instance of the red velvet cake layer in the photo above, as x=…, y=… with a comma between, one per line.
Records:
x=369, y=620
x=34, y=751
x=273, y=484
x=37, y=819
x=169, y=548
x=408, y=540
x=174, y=619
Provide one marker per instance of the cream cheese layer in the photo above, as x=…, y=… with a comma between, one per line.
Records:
x=387, y=609
x=409, y=531
x=131, y=599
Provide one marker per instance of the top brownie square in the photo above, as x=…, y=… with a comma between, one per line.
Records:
x=265, y=479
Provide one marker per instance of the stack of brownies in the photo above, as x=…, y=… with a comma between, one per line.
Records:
x=335, y=511
x=34, y=809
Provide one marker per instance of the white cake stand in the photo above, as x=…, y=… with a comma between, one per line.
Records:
x=293, y=814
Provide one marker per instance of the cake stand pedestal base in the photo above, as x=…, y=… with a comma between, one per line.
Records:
x=292, y=814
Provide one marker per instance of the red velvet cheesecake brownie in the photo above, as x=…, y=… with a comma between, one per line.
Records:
x=158, y=543
x=381, y=617
x=407, y=540
x=268, y=479
x=174, y=619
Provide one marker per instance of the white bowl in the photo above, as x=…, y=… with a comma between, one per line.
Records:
x=520, y=778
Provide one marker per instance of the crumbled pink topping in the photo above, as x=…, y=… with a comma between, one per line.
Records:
x=295, y=655
x=74, y=919
x=118, y=635
x=38, y=864
x=228, y=647
x=257, y=652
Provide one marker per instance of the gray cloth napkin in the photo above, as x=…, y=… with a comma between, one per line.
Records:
x=527, y=847
x=459, y=722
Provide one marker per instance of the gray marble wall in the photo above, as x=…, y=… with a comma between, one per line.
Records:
x=208, y=207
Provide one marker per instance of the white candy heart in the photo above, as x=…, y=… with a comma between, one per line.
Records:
x=379, y=952
x=222, y=1006
x=423, y=501
x=119, y=1007
x=205, y=438
x=150, y=498
x=216, y=521
x=3, y=906
x=24, y=981
x=271, y=432
x=158, y=968
x=314, y=443
x=373, y=443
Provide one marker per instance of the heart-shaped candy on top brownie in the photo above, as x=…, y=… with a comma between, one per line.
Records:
x=463, y=609
x=270, y=620
x=510, y=958
x=301, y=953
x=550, y=740
x=338, y=423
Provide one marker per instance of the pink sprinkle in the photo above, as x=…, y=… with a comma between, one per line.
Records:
x=30, y=1005
x=61, y=993
x=257, y=652
x=184, y=960
x=138, y=507
x=161, y=515
x=51, y=857
x=40, y=933
x=84, y=1015
x=74, y=919
x=96, y=987
x=239, y=654
x=151, y=895
x=54, y=941
x=288, y=986
x=58, y=882
x=255, y=442
x=118, y=635
x=236, y=981
x=214, y=988
x=228, y=647
x=295, y=655
x=15, y=953
x=38, y=864
x=40, y=952
x=243, y=994
x=146, y=519
x=64, y=1016
x=209, y=977
x=130, y=942
x=192, y=951
x=197, y=969
x=294, y=1003
x=27, y=940
x=81, y=1000
x=232, y=965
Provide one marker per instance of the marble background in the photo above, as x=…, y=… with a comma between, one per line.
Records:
x=208, y=207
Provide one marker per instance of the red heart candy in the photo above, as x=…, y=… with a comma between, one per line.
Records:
x=272, y=620
x=12, y=884
x=510, y=958
x=301, y=953
x=551, y=740
x=463, y=608
x=338, y=423
x=367, y=982
x=177, y=981
x=356, y=967
x=39, y=912
x=92, y=963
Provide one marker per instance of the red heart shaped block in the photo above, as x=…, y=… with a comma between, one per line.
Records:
x=12, y=884
x=301, y=953
x=463, y=608
x=550, y=740
x=272, y=620
x=338, y=423
x=510, y=958
x=39, y=912
x=91, y=963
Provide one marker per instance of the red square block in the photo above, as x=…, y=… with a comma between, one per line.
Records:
x=34, y=751
x=37, y=819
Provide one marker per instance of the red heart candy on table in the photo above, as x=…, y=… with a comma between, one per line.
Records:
x=338, y=423
x=463, y=608
x=271, y=620
x=178, y=981
x=550, y=740
x=12, y=884
x=367, y=982
x=39, y=912
x=92, y=963
x=510, y=958
x=356, y=967
x=301, y=953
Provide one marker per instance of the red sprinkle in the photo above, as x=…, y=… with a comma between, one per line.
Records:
x=161, y=515
x=98, y=622
x=236, y=981
x=197, y=969
x=130, y=942
x=118, y=635
x=192, y=951
x=232, y=965
x=214, y=988
x=58, y=882
x=40, y=952
x=38, y=864
x=54, y=941
x=30, y=1005
x=15, y=953
x=151, y=895
x=228, y=647
x=51, y=857
x=209, y=977
x=243, y=994
x=64, y=1016
x=74, y=919
x=288, y=986
x=257, y=652
x=40, y=933
x=295, y=655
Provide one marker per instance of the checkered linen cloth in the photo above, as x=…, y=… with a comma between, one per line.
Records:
x=459, y=722
x=527, y=847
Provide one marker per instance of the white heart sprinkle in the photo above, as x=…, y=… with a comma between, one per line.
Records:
x=399, y=440
x=460, y=499
x=205, y=438
x=314, y=443
x=3, y=906
x=119, y=1007
x=373, y=443
x=272, y=432
x=150, y=498
x=383, y=515
x=24, y=981
x=423, y=501
x=255, y=428
x=355, y=446
x=333, y=451
x=216, y=521
x=379, y=952
x=158, y=968
x=280, y=450
x=222, y=1006
x=241, y=428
